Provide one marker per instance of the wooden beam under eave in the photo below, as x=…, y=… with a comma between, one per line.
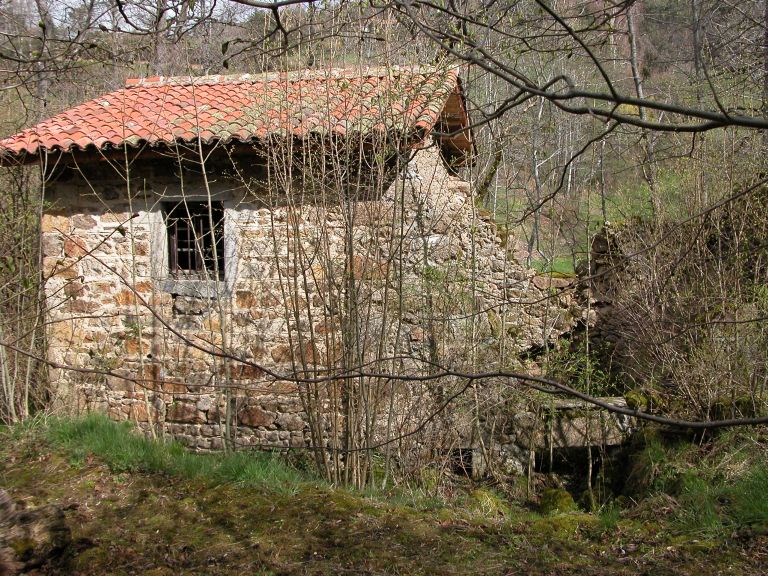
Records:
x=456, y=129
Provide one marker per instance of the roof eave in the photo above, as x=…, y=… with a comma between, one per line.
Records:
x=9, y=159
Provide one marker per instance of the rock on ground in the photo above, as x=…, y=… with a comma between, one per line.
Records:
x=31, y=538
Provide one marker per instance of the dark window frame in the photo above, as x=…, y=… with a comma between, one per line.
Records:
x=193, y=228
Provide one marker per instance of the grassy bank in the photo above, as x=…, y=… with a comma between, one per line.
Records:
x=122, y=451
x=715, y=489
x=138, y=506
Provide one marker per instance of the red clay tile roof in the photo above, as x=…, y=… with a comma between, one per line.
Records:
x=164, y=111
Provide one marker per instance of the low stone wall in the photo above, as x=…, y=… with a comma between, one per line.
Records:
x=561, y=424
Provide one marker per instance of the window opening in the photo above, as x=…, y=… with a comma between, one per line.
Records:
x=194, y=229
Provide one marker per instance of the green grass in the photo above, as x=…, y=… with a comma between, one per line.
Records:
x=124, y=451
x=712, y=507
x=609, y=516
x=559, y=265
x=748, y=499
x=719, y=488
x=699, y=513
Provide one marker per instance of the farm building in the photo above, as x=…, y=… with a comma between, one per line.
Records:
x=273, y=260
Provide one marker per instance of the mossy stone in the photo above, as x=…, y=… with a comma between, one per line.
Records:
x=23, y=548
x=636, y=400
x=488, y=503
x=739, y=407
x=555, y=500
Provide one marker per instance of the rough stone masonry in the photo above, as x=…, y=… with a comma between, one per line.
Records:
x=309, y=281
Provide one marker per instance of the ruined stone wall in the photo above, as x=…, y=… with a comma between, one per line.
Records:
x=412, y=273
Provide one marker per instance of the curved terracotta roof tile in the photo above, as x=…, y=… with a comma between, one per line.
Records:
x=163, y=111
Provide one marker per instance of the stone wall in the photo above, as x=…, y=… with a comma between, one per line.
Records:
x=312, y=281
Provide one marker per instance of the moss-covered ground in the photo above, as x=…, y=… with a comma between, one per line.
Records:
x=134, y=514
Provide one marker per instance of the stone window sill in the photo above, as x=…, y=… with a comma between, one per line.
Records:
x=195, y=288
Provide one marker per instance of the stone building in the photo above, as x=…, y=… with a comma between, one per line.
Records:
x=274, y=259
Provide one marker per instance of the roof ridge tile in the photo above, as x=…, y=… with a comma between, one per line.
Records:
x=291, y=76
